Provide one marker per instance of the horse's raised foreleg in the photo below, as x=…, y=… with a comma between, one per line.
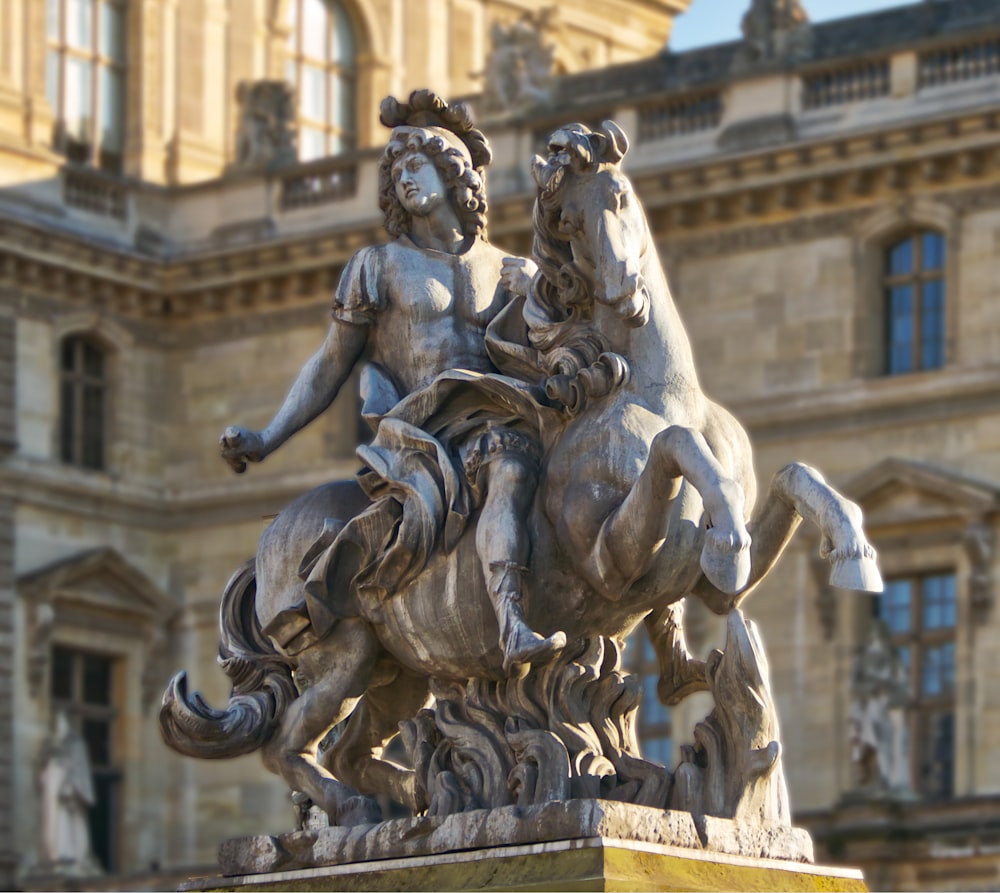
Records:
x=334, y=674
x=632, y=535
x=839, y=520
x=356, y=755
x=797, y=492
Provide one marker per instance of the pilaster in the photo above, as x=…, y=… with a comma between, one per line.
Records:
x=8, y=856
x=38, y=115
x=198, y=149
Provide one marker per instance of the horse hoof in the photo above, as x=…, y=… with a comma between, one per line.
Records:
x=358, y=811
x=726, y=569
x=535, y=651
x=861, y=574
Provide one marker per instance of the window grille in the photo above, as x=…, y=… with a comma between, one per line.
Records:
x=678, y=116
x=838, y=86
x=85, y=79
x=914, y=288
x=959, y=63
x=83, y=402
x=322, y=70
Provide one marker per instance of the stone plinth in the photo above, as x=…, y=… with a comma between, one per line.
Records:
x=594, y=863
x=561, y=845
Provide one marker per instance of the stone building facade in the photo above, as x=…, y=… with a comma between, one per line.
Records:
x=827, y=202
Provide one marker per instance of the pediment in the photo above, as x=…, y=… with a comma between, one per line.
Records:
x=902, y=492
x=100, y=580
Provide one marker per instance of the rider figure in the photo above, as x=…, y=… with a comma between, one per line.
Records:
x=414, y=308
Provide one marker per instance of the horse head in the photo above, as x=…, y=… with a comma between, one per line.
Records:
x=588, y=204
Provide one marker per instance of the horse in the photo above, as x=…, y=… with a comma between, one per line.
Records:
x=644, y=495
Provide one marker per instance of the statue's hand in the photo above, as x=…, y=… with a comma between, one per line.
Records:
x=516, y=274
x=241, y=445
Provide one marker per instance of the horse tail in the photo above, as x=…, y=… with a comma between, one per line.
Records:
x=262, y=689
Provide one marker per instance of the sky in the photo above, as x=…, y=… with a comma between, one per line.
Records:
x=716, y=21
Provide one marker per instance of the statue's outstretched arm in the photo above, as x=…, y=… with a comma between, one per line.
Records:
x=315, y=388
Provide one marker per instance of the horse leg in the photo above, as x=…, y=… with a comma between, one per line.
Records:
x=338, y=670
x=631, y=536
x=680, y=673
x=797, y=492
x=839, y=520
x=356, y=755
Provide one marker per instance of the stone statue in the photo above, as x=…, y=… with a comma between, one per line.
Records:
x=775, y=29
x=409, y=311
x=519, y=66
x=878, y=734
x=66, y=790
x=265, y=134
x=545, y=473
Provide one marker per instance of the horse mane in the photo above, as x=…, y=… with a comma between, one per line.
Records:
x=559, y=314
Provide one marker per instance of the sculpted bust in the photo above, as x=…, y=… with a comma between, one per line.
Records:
x=545, y=475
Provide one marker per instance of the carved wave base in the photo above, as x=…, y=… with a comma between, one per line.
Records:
x=570, y=845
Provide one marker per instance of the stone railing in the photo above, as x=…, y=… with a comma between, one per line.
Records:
x=319, y=182
x=679, y=115
x=959, y=63
x=845, y=84
x=94, y=191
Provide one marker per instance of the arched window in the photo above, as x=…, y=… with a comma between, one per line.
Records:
x=914, y=284
x=85, y=78
x=321, y=69
x=83, y=402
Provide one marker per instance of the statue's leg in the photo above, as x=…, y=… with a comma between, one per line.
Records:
x=376, y=719
x=631, y=536
x=797, y=492
x=504, y=547
x=680, y=673
x=338, y=670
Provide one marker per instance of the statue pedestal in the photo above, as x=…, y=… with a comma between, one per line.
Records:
x=560, y=845
x=594, y=863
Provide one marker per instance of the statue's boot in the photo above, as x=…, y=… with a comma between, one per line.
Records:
x=519, y=643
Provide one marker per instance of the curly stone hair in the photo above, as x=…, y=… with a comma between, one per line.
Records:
x=461, y=169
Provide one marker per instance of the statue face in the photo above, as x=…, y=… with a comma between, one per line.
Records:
x=419, y=184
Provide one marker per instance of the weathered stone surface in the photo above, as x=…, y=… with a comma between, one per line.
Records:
x=593, y=863
x=508, y=826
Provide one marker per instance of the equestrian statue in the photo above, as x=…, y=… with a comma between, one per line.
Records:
x=545, y=474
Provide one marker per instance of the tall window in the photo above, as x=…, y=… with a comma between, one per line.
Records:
x=321, y=69
x=83, y=402
x=914, y=300
x=83, y=689
x=920, y=612
x=85, y=78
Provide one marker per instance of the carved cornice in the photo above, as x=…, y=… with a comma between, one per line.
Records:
x=790, y=192
x=44, y=264
x=203, y=504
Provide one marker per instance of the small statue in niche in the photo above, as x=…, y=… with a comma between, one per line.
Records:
x=265, y=135
x=519, y=67
x=878, y=735
x=66, y=789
